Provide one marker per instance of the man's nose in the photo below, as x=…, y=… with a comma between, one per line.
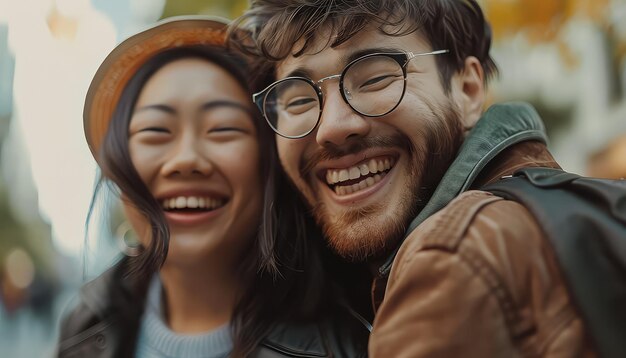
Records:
x=339, y=123
x=188, y=158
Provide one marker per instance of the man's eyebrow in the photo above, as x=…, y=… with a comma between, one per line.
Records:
x=305, y=72
x=299, y=72
x=360, y=53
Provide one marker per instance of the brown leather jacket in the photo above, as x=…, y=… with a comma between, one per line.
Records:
x=478, y=279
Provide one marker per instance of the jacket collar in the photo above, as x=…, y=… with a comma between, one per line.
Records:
x=301, y=340
x=501, y=127
x=518, y=156
x=114, y=291
x=114, y=296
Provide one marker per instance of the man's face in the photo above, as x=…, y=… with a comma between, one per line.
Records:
x=367, y=177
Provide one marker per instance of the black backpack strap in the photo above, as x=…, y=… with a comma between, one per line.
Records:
x=585, y=221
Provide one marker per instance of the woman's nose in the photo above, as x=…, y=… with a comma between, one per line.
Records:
x=188, y=158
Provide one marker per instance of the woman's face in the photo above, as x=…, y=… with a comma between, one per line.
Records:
x=195, y=146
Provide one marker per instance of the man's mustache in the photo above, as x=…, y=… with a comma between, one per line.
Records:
x=331, y=151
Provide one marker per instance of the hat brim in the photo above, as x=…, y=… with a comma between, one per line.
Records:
x=123, y=62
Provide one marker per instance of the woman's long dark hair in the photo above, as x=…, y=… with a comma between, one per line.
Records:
x=283, y=276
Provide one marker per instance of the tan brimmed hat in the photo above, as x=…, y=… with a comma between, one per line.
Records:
x=122, y=63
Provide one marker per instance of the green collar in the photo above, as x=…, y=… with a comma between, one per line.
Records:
x=501, y=126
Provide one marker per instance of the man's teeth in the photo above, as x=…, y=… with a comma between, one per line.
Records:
x=363, y=184
x=192, y=202
x=334, y=176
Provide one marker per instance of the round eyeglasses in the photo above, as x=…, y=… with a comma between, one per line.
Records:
x=372, y=85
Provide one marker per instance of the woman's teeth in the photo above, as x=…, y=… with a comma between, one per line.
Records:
x=192, y=202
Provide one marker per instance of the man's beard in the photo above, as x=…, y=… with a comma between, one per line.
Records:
x=372, y=232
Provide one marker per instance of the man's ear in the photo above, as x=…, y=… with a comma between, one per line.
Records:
x=471, y=86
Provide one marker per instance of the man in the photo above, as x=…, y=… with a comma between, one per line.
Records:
x=378, y=110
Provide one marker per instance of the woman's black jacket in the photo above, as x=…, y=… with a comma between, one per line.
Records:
x=105, y=323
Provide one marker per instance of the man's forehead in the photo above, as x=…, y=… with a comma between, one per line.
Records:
x=319, y=56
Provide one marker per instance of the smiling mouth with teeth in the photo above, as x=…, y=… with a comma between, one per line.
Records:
x=192, y=204
x=361, y=176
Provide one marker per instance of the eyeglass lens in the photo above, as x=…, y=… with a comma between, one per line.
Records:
x=372, y=86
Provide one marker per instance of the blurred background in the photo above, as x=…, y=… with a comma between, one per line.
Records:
x=566, y=57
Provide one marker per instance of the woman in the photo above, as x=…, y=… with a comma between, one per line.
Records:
x=169, y=121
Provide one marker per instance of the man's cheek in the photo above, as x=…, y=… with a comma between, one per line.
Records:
x=290, y=155
x=288, y=167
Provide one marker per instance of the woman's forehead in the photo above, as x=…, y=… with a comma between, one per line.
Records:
x=192, y=76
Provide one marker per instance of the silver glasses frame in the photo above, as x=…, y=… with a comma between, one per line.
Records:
x=402, y=58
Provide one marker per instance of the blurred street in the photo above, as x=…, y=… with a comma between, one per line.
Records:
x=566, y=57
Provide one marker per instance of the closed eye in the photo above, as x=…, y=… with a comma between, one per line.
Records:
x=223, y=132
x=299, y=102
x=155, y=129
x=375, y=80
x=226, y=129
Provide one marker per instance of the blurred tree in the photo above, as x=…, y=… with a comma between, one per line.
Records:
x=590, y=39
x=609, y=162
x=7, y=65
x=224, y=8
x=34, y=243
x=23, y=246
x=540, y=20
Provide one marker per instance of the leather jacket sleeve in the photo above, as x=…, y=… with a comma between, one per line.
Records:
x=477, y=280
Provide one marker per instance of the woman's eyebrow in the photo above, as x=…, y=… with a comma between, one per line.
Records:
x=207, y=106
x=158, y=107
